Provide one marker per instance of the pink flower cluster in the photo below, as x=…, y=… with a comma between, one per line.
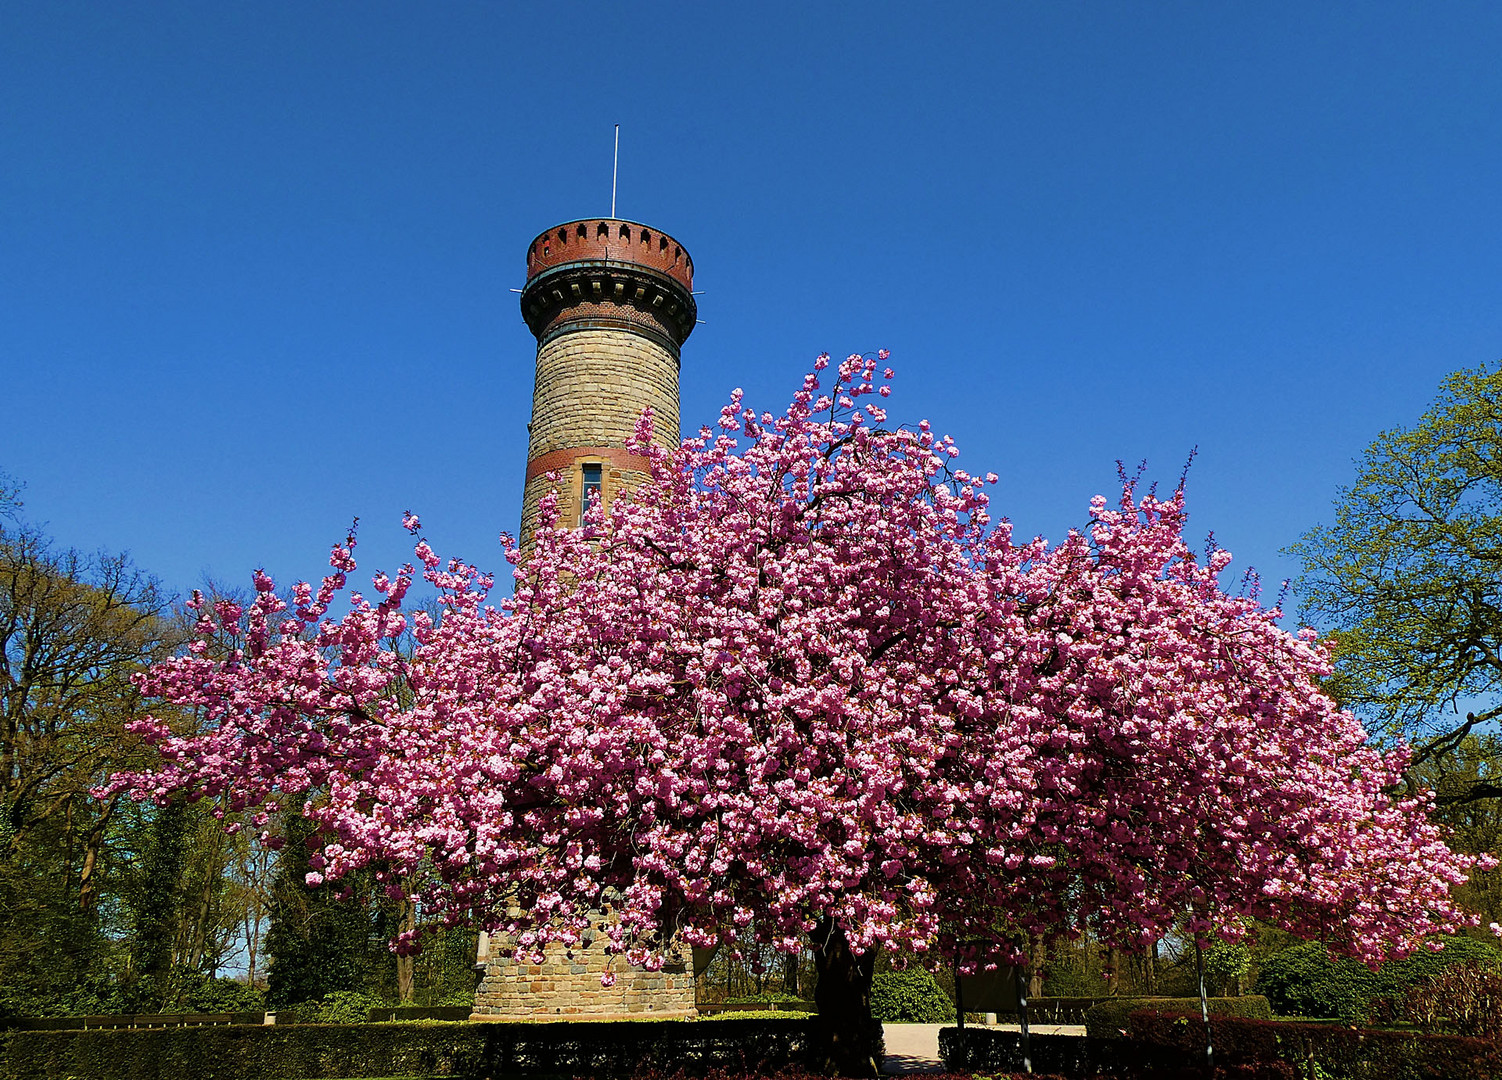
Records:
x=803, y=674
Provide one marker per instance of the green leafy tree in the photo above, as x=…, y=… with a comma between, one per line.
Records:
x=105, y=904
x=1409, y=578
x=1226, y=965
x=158, y=912
x=74, y=629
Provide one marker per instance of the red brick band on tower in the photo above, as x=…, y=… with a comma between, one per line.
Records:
x=610, y=303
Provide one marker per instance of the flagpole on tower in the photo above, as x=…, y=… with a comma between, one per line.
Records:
x=615, y=168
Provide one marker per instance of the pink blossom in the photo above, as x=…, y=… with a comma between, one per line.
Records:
x=799, y=676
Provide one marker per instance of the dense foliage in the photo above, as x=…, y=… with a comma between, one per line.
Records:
x=988, y=1051
x=1306, y=980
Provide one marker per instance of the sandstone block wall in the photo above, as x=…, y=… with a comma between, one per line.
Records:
x=567, y=986
x=591, y=386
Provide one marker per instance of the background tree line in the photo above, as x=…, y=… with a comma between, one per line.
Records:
x=109, y=905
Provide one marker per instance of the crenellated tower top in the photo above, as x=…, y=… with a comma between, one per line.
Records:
x=610, y=303
x=605, y=272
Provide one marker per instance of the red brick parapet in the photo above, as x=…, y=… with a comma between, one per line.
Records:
x=610, y=240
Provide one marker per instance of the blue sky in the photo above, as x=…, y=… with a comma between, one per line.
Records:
x=255, y=259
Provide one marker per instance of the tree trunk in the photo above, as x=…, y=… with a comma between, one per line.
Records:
x=406, y=968
x=88, y=884
x=252, y=944
x=1150, y=970
x=1036, y=960
x=1113, y=972
x=847, y=1041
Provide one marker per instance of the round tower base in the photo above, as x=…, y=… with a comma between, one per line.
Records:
x=566, y=986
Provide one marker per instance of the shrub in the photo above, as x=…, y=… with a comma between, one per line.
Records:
x=338, y=1007
x=1109, y=1019
x=1226, y=964
x=910, y=995
x=223, y=996
x=1305, y=981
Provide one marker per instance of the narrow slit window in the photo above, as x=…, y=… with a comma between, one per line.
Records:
x=592, y=483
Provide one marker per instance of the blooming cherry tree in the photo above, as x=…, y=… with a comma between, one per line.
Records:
x=801, y=686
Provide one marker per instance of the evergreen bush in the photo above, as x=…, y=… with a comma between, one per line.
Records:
x=222, y=996
x=911, y=996
x=1305, y=981
x=337, y=1007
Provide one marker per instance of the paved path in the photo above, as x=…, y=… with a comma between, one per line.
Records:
x=911, y=1048
x=914, y=1048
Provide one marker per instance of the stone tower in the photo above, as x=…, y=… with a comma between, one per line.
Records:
x=610, y=302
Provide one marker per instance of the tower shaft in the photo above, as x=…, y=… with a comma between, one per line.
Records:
x=610, y=302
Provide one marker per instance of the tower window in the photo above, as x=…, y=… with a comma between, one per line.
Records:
x=592, y=483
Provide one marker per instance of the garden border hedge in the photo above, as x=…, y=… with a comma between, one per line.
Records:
x=993, y=1050
x=1108, y=1019
x=569, y=1048
x=1342, y=1053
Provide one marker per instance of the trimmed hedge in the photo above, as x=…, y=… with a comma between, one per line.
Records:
x=911, y=996
x=1325, y=1050
x=988, y=1051
x=1109, y=1019
x=404, y=1049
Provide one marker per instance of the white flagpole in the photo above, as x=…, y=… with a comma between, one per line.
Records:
x=615, y=169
